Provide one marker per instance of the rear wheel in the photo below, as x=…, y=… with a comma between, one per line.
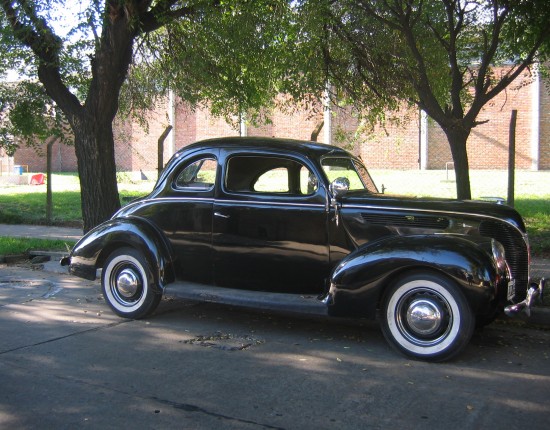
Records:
x=128, y=284
x=426, y=316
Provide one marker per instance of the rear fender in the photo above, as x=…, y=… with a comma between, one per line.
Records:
x=90, y=253
x=359, y=281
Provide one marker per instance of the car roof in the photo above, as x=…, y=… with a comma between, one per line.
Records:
x=269, y=143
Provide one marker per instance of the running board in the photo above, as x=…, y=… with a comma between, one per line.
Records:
x=293, y=303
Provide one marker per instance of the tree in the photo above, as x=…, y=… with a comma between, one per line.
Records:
x=83, y=71
x=440, y=55
x=30, y=119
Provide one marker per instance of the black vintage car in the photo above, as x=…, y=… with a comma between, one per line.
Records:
x=301, y=226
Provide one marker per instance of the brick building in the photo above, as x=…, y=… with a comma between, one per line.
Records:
x=415, y=142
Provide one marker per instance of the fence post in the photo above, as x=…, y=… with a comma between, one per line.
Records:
x=160, y=149
x=512, y=157
x=49, y=203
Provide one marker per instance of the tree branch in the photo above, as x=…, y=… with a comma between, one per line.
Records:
x=162, y=13
x=46, y=45
x=422, y=83
x=370, y=11
x=481, y=99
x=490, y=52
x=456, y=75
x=91, y=23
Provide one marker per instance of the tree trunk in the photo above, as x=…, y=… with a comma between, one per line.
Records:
x=457, y=141
x=93, y=123
x=94, y=146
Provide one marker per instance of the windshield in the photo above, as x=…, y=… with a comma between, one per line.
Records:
x=353, y=170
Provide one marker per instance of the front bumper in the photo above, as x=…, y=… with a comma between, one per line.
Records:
x=535, y=294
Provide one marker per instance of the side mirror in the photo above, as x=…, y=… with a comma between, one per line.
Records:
x=339, y=187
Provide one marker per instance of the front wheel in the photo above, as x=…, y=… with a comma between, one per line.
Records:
x=128, y=284
x=426, y=316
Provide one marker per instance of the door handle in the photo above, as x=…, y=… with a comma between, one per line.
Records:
x=219, y=214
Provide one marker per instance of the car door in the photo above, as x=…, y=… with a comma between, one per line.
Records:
x=270, y=225
x=184, y=213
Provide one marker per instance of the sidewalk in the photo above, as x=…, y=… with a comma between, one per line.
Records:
x=40, y=232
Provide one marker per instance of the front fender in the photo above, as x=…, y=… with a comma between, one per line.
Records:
x=91, y=251
x=359, y=281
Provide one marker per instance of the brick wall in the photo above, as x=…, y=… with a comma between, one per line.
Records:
x=544, y=131
x=185, y=126
x=136, y=140
x=63, y=158
x=394, y=146
x=439, y=151
x=208, y=126
x=488, y=143
x=298, y=124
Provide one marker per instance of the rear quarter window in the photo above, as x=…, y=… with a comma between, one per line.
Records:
x=269, y=175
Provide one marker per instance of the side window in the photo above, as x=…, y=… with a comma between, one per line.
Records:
x=273, y=181
x=198, y=176
x=308, y=181
x=269, y=175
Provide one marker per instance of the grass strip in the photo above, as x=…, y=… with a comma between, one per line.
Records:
x=21, y=245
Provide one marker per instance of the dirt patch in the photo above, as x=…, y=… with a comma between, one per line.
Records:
x=225, y=341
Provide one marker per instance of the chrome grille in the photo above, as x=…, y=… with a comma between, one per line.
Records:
x=517, y=253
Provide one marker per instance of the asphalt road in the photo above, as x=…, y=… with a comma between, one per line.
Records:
x=67, y=362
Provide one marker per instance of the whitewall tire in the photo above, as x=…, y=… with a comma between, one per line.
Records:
x=128, y=284
x=426, y=316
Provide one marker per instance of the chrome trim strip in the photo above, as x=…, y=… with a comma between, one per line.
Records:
x=173, y=199
x=270, y=203
x=223, y=201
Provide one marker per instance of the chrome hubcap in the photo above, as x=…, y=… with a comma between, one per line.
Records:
x=423, y=317
x=127, y=283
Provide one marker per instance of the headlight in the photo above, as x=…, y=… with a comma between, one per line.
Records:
x=499, y=254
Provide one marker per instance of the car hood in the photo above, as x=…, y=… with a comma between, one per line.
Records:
x=466, y=208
